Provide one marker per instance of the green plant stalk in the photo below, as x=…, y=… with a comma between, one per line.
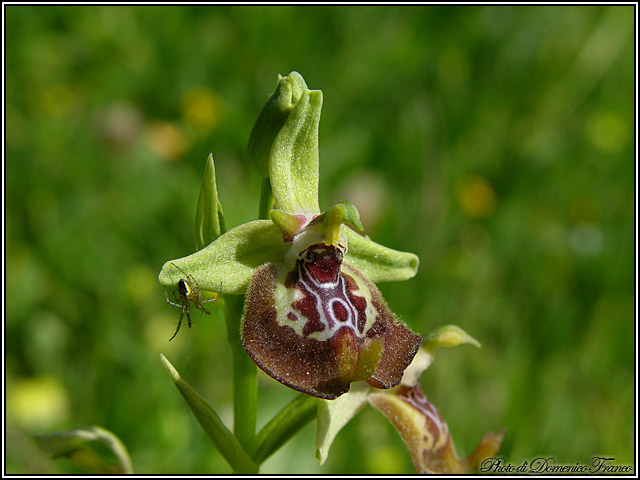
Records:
x=283, y=426
x=266, y=199
x=245, y=375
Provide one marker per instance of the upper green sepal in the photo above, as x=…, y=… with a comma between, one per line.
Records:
x=230, y=260
x=293, y=162
x=377, y=262
x=209, y=216
x=287, y=94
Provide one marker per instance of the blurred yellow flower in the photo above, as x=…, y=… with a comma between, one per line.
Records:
x=202, y=109
x=166, y=140
x=476, y=196
x=37, y=403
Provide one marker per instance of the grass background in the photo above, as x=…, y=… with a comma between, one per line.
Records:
x=497, y=143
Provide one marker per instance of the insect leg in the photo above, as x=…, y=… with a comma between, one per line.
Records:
x=169, y=301
x=188, y=316
x=179, y=323
x=213, y=299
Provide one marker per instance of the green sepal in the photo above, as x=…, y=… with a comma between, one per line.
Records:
x=76, y=445
x=376, y=262
x=273, y=115
x=209, y=216
x=230, y=260
x=335, y=414
x=448, y=336
x=226, y=443
x=293, y=163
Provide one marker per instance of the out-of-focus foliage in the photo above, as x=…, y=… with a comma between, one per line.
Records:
x=494, y=142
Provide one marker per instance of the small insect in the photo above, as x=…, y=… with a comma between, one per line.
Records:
x=187, y=293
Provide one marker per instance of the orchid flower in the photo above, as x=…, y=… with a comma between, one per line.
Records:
x=418, y=421
x=313, y=318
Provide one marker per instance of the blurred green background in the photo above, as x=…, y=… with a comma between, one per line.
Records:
x=497, y=143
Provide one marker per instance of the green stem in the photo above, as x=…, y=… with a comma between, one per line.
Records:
x=245, y=376
x=283, y=426
x=266, y=199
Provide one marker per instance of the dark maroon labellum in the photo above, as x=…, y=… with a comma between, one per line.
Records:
x=323, y=326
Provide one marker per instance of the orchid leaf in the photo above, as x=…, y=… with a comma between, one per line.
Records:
x=226, y=443
x=75, y=445
x=209, y=217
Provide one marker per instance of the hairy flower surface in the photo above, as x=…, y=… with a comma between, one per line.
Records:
x=318, y=325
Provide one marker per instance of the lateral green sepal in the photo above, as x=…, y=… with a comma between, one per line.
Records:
x=378, y=263
x=230, y=260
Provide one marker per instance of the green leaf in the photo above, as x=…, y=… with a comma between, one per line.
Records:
x=378, y=263
x=272, y=117
x=335, y=414
x=209, y=217
x=283, y=426
x=226, y=443
x=293, y=163
x=230, y=260
x=71, y=443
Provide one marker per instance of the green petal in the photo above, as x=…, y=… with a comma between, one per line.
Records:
x=335, y=414
x=231, y=260
x=288, y=223
x=378, y=263
x=209, y=217
x=293, y=164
